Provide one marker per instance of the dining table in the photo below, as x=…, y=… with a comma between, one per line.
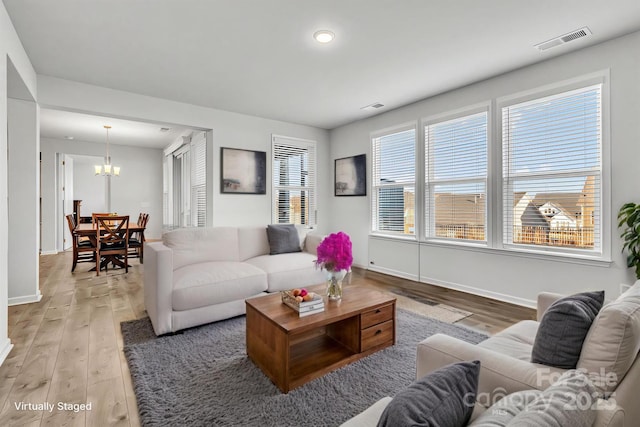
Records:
x=89, y=231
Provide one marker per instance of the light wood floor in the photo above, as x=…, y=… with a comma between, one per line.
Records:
x=68, y=347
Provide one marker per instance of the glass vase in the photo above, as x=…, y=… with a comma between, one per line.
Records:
x=334, y=284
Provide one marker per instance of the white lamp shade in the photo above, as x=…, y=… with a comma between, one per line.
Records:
x=98, y=169
x=107, y=169
x=116, y=170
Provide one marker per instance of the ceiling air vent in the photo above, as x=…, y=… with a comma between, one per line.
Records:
x=565, y=38
x=372, y=107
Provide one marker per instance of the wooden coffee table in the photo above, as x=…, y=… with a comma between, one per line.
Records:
x=292, y=351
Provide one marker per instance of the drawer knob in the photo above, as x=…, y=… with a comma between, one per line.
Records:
x=378, y=311
x=378, y=332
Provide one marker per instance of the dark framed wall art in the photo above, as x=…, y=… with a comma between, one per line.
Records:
x=351, y=176
x=243, y=171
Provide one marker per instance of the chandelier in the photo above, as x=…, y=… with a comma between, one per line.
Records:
x=107, y=169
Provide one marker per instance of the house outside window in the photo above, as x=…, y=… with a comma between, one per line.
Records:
x=552, y=171
x=393, y=184
x=525, y=173
x=294, y=181
x=456, y=177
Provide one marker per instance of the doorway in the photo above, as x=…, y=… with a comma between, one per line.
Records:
x=80, y=192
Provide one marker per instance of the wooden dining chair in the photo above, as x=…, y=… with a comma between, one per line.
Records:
x=112, y=234
x=136, y=240
x=83, y=250
x=94, y=215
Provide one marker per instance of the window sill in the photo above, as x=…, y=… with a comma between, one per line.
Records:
x=506, y=251
x=521, y=252
x=394, y=237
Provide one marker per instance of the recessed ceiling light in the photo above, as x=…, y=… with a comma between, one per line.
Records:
x=68, y=137
x=323, y=36
x=165, y=129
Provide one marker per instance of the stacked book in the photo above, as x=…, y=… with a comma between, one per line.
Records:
x=304, y=308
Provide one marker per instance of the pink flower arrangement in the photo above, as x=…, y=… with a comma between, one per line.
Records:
x=334, y=252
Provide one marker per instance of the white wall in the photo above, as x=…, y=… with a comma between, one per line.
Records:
x=92, y=195
x=23, y=168
x=137, y=189
x=499, y=274
x=10, y=47
x=229, y=130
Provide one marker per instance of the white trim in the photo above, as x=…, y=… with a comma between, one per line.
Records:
x=413, y=124
x=458, y=113
x=409, y=238
x=428, y=212
x=598, y=77
x=54, y=252
x=522, y=253
x=5, y=349
x=392, y=272
x=364, y=267
x=173, y=147
x=373, y=187
x=308, y=144
x=300, y=141
x=607, y=217
x=25, y=299
x=480, y=292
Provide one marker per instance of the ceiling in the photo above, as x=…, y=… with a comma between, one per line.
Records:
x=258, y=57
x=90, y=128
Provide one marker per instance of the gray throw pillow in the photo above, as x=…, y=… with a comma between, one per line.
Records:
x=569, y=402
x=283, y=239
x=563, y=328
x=444, y=397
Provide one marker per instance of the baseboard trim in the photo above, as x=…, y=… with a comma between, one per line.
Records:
x=481, y=292
x=5, y=349
x=25, y=299
x=392, y=272
x=48, y=252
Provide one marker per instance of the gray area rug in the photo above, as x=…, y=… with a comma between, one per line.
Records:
x=203, y=377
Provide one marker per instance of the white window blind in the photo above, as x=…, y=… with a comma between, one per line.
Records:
x=199, y=181
x=552, y=171
x=294, y=181
x=185, y=183
x=167, y=200
x=393, y=183
x=456, y=178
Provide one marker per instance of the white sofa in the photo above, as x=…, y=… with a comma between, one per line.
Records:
x=506, y=367
x=202, y=275
x=610, y=352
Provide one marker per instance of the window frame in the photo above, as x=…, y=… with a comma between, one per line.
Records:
x=428, y=205
x=495, y=204
x=313, y=177
x=558, y=90
x=373, y=187
x=184, y=177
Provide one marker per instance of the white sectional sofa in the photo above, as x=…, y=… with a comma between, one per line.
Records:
x=202, y=275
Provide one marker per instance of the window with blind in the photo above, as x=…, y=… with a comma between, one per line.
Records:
x=552, y=171
x=185, y=183
x=199, y=181
x=393, y=183
x=456, y=178
x=294, y=181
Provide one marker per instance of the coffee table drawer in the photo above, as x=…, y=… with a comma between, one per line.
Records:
x=379, y=315
x=376, y=335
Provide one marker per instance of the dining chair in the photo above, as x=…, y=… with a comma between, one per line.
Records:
x=136, y=240
x=94, y=215
x=112, y=235
x=83, y=250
